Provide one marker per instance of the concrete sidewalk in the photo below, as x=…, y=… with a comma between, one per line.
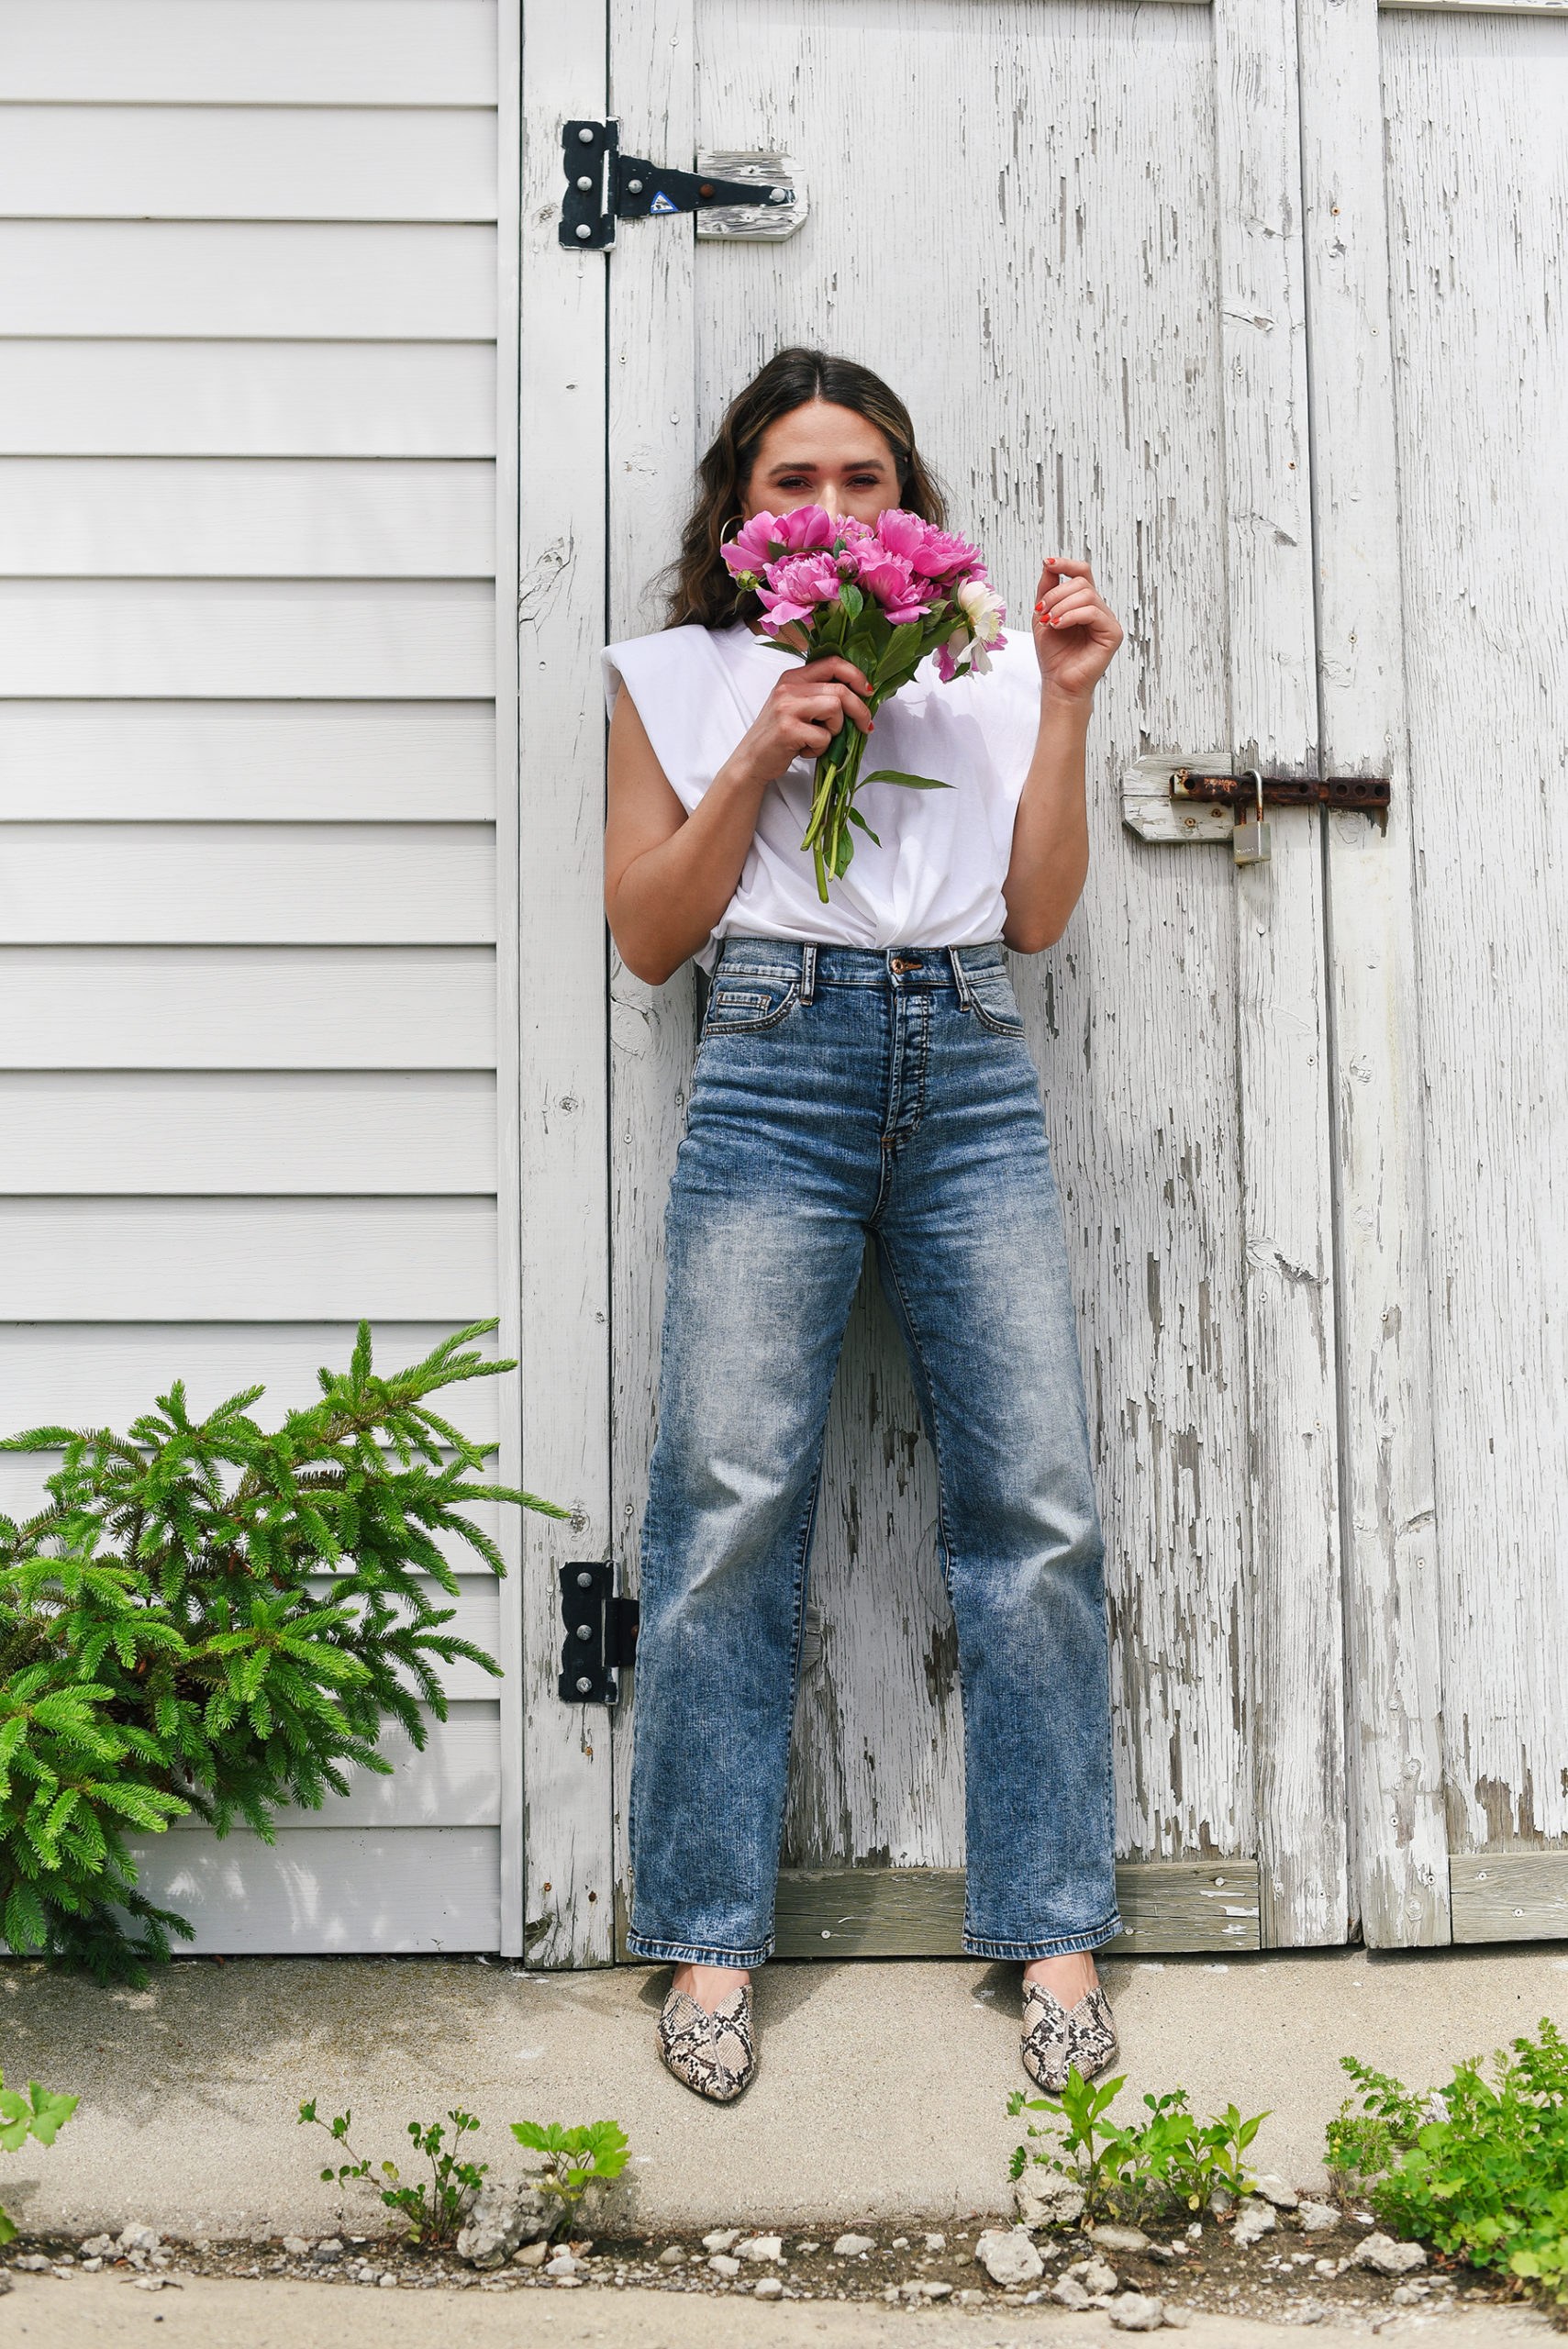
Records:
x=882, y=2090
x=207, y=2314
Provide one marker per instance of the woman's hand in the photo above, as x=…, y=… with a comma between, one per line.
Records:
x=1075, y=632
x=799, y=719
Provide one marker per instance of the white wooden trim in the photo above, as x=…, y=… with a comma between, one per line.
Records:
x=247, y=1260
x=284, y=1132
x=508, y=1236
x=269, y=518
x=263, y=885
x=333, y=1889
x=253, y=52
x=237, y=761
x=1391, y=1601
x=187, y=162
x=344, y=281
x=652, y=438
x=564, y=1266
x=1484, y=8
x=140, y=397
x=1297, y=1674
x=104, y=1374
x=247, y=1007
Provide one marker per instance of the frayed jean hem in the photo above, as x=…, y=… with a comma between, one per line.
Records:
x=1063, y=1945
x=693, y=1952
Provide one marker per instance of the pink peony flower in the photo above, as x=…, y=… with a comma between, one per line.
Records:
x=930, y=552
x=888, y=577
x=766, y=536
x=796, y=586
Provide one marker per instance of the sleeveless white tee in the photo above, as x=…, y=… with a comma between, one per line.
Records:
x=937, y=878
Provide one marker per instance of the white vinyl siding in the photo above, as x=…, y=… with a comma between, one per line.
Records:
x=248, y=757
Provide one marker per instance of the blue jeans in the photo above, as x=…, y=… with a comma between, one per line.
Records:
x=841, y=1091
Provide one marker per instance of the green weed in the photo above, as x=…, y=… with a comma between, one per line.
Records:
x=577, y=2158
x=433, y=2211
x=42, y=2113
x=1125, y=2169
x=1477, y=2169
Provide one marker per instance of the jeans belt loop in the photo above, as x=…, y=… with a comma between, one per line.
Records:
x=808, y=975
x=960, y=977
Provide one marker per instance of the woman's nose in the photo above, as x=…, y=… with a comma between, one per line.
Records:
x=829, y=502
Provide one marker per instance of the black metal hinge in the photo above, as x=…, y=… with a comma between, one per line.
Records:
x=603, y=186
x=601, y=1633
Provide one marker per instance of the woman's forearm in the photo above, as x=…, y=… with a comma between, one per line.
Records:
x=1050, y=833
x=669, y=899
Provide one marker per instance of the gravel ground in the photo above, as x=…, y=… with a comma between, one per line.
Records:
x=1288, y=2278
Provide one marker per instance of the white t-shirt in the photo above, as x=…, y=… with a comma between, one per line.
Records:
x=937, y=878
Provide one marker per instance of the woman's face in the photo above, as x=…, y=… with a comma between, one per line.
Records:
x=827, y=456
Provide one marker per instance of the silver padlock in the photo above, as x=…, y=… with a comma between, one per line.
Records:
x=1250, y=841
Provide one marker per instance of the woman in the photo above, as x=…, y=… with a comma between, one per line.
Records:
x=861, y=1069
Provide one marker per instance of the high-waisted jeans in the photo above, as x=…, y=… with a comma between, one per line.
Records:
x=841, y=1091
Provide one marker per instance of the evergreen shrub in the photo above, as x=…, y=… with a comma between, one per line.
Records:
x=209, y=1617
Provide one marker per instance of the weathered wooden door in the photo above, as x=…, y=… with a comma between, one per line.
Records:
x=1436, y=185
x=1069, y=232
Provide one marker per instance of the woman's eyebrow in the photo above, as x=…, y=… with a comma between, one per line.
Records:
x=810, y=465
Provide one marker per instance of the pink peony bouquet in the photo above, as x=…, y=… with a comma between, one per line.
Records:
x=884, y=598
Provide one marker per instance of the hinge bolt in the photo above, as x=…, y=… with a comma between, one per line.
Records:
x=586, y=136
x=584, y=1582
x=634, y=187
x=583, y=1687
x=585, y=183
x=778, y=196
x=584, y=231
x=584, y=1631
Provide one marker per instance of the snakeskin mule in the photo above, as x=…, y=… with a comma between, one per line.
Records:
x=713, y=2054
x=1055, y=2041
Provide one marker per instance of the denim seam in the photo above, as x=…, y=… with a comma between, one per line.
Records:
x=930, y=1400
x=695, y=1953
x=994, y=1026
x=1058, y=1945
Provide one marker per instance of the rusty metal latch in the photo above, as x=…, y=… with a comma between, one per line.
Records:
x=1186, y=796
x=1368, y=793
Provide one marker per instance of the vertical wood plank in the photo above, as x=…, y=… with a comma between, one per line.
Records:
x=563, y=1256
x=652, y=400
x=1280, y=1016
x=1476, y=144
x=1396, y=1765
x=508, y=1202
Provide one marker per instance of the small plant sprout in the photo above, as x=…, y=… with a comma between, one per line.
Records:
x=1171, y=2158
x=42, y=2113
x=435, y=2209
x=577, y=2159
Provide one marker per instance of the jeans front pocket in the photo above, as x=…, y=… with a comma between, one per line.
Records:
x=749, y=1001
x=993, y=1003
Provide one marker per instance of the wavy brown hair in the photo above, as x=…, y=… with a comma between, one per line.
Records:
x=700, y=589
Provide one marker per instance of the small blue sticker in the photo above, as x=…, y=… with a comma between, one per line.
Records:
x=661, y=204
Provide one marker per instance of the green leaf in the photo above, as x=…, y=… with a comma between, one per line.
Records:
x=51, y=2112
x=910, y=782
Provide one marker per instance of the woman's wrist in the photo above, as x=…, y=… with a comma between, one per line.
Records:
x=737, y=775
x=1054, y=702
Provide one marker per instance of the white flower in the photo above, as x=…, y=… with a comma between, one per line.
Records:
x=984, y=609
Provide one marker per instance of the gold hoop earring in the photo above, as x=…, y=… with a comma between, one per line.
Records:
x=724, y=528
